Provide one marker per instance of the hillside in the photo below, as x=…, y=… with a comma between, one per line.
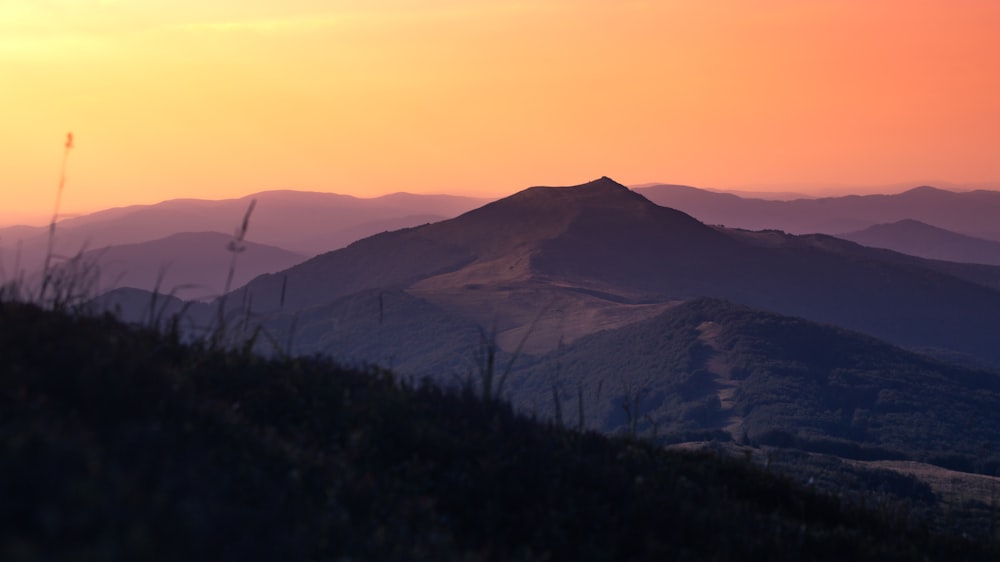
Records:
x=923, y=240
x=711, y=368
x=119, y=443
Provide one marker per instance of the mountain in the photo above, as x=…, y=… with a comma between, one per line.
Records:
x=191, y=265
x=553, y=264
x=495, y=264
x=971, y=213
x=302, y=222
x=926, y=241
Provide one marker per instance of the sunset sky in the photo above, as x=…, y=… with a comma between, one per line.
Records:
x=221, y=98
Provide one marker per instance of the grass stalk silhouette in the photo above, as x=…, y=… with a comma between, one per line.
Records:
x=12, y=289
x=68, y=285
x=490, y=381
x=50, y=249
x=235, y=247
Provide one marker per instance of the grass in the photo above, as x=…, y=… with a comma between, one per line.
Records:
x=47, y=273
x=123, y=443
x=73, y=283
x=65, y=282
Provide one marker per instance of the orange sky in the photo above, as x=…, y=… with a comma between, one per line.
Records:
x=219, y=98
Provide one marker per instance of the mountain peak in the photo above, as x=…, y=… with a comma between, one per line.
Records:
x=603, y=191
x=545, y=207
x=910, y=223
x=927, y=190
x=603, y=184
x=603, y=181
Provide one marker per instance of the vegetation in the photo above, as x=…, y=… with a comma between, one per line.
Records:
x=793, y=383
x=124, y=443
x=853, y=396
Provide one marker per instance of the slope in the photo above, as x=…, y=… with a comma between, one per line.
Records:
x=707, y=368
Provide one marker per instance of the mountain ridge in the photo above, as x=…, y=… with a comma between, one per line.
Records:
x=303, y=222
x=971, y=213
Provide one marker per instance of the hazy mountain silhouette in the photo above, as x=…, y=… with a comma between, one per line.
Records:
x=302, y=222
x=972, y=213
x=193, y=265
x=923, y=240
x=609, y=252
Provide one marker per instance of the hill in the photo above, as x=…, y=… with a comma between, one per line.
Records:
x=923, y=240
x=192, y=265
x=971, y=213
x=124, y=444
x=712, y=369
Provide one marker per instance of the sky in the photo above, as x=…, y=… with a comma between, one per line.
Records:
x=222, y=98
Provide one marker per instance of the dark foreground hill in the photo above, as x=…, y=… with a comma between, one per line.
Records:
x=119, y=444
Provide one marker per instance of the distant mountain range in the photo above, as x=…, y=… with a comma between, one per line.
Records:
x=308, y=223
x=972, y=213
x=291, y=225
x=302, y=222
